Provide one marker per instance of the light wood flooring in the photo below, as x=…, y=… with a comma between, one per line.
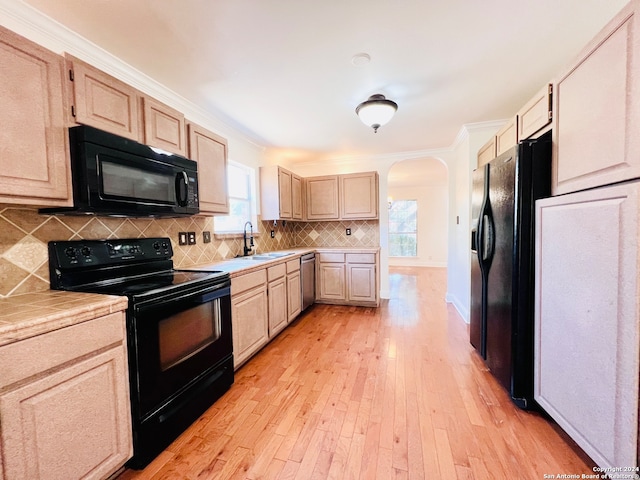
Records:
x=364, y=393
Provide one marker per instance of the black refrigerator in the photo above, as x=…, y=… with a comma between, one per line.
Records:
x=502, y=262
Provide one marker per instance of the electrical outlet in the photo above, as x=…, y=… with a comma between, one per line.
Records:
x=273, y=234
x=191, y=238
x=206, y=237
x=348, y=231
x=182, y=238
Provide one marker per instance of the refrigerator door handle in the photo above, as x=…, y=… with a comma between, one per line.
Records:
x=487, y=238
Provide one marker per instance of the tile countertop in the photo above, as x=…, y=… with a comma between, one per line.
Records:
x=241, y=265
x=31, y=314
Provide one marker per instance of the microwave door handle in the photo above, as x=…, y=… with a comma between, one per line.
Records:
x=182, y=192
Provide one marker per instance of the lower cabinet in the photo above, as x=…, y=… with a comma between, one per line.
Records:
x=249, y=315
x=277, y=291
x=347, y=278
x=331, y=282
x=294, y=290
x=66, y=413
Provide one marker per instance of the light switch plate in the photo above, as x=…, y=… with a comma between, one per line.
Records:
x=206, y=237
x=182, y=238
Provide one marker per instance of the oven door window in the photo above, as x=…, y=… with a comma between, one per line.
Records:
x=175, y=340
x=186, y=333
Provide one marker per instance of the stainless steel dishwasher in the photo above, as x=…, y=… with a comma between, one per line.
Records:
x=308, y=269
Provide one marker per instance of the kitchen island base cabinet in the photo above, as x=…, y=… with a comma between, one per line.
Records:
x=586, y=319
x=64, y=403
x=249, y=315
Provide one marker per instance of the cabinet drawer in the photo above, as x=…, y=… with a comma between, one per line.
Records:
x=248, y=281
x=331, y=257
x=293, y=265
x=276, y=271
x=361, y=258
x=34, y=355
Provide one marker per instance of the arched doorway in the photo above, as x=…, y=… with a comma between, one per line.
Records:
x=424, y=181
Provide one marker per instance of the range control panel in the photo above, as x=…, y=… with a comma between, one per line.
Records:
x=88, y=253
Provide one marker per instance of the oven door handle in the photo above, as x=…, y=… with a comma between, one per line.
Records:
x=206, y=295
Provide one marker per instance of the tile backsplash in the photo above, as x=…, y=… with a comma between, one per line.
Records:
x=24, y=234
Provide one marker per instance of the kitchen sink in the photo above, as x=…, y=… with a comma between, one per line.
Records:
x=279, y=254
x=266, y=256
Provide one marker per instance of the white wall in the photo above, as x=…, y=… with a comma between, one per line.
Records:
x=432, y=226
x=459, y=262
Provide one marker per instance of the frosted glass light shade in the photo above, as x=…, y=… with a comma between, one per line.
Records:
x=376, y=111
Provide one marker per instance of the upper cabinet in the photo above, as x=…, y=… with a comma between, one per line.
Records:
x=507, y=136
x=34, y=165
x=359, y=195
x=164, y=127
x=530, y=122
x=351, y=196
x=104, y=102
x=322, y=198
x=280, y=193
x=487, y=152
x=597, y=110
x=536, y=113
x=101, y=101
x=210, y=151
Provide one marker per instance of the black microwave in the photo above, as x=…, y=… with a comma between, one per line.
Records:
x=116, y=176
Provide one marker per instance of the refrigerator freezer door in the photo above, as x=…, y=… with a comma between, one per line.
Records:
x=477, y=317
x=499, y=305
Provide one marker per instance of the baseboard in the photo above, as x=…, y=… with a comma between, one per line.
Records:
x=462, y=309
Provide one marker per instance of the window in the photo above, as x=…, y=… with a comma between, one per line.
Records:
x=403, y=228
x=241, y=181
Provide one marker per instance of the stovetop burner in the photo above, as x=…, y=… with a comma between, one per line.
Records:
x=133, y=267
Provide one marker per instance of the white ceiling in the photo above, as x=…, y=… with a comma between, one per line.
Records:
x=280, y=71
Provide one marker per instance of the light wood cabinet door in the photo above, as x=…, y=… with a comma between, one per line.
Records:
x=297, y=203
x=361, y=283
x=597, y=110
x=284, y=193
x=68, y=424
x=331, y=279
x=250, y=323
x=64, y=402
x=322, y=198
x=102, y=101
x=280, y=194
x=535, y=114
x=210, y=151
x=586, y=318
x=277, y=306
x=164, y=127
x=359, y=195
x=294, y=295
x=487, y=152
x=507, y=136
x=34, y=165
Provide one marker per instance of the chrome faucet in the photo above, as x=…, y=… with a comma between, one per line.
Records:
x=247, y=249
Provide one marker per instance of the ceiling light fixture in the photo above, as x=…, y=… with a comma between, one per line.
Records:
x=376, y=111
